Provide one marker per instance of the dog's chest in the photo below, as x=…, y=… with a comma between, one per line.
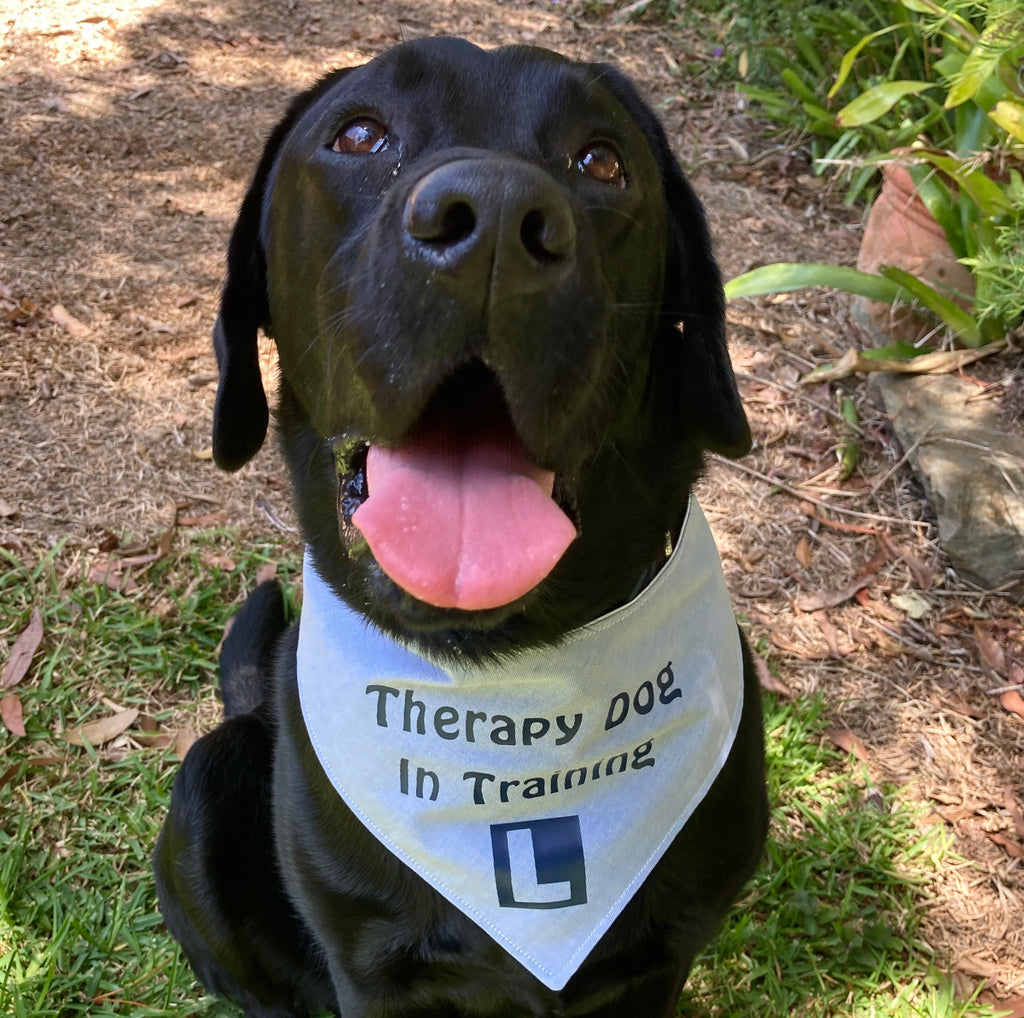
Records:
x=535, y=796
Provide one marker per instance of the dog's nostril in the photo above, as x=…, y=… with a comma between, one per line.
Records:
x=547, y=236
x=457, y=222
x=444, y=222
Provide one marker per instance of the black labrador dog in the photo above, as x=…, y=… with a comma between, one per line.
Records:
x=501, y=339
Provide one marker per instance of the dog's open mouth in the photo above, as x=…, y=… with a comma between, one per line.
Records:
x=457, y=514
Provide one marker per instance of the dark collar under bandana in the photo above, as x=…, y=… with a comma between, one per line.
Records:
x=535, y=795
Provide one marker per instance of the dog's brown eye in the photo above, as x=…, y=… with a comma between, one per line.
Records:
x=364, y=136
x=601, y=162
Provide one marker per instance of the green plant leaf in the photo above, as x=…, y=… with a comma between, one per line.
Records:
x=806, y=48
x=981, y=64
x=849, y=448
x=784, y=277
x=945, y=15
x=846, y=64
x=892, y=285
x=952, y=315
x=1009, y=115
x=948, y=66
x=877, y=101
x=820, y=119
x=938, y=199
x=798, y=86
x=989, y=196
x=973, y=129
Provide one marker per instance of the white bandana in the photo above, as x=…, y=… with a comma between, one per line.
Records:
x=535, y=795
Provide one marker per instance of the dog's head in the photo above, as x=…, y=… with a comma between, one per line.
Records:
x=501, y=336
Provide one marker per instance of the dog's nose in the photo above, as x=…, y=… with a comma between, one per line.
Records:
x=499, y=214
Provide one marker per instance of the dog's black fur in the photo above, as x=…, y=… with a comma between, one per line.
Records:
x=588, y=301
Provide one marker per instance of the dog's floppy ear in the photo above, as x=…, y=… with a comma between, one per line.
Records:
x=708, y=407
x=240, y=413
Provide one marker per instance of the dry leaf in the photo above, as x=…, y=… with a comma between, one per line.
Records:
x=68, y=322
x=1013, y=702
x=32, y=761
x=163, y=548
x=809, y=510
x=1015, y=814
x=912, y=603
x=1011, y=1007
x=183, y=740
x=25, y=646
x=939, y=363
x=267, y=571
x=829, y=632
x=102, y=730
x=919, y=571
x=1013, y=848
x=154, y=740
x=879, y=608
x=215, y=519
x=831, y=598
x=873, y=564
x=217, y=560
x=802, y=552
x=111, y=576
x=886, y=546
x=113, y=573
x=975, y=966
x=768, y=681
x=7, y=509
x=804, y=652
x=990, y=651
x=834, y=598
x=10, y=712
x=959, y=707
x=845, y=740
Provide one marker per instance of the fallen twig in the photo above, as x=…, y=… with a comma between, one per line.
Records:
x=803, y=496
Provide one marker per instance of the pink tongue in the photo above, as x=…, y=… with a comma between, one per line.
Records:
x=462, y=524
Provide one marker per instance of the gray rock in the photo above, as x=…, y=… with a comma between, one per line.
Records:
x=972, y=472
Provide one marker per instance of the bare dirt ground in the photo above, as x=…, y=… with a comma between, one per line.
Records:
x=130, y=129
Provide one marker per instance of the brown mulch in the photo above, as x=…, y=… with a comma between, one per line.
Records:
x=130, y=130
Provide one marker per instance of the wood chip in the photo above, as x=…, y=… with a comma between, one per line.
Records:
x=68, y=322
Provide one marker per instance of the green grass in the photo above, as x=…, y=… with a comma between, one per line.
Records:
x=827, y=929
x=829, y=925
x=79, y=929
